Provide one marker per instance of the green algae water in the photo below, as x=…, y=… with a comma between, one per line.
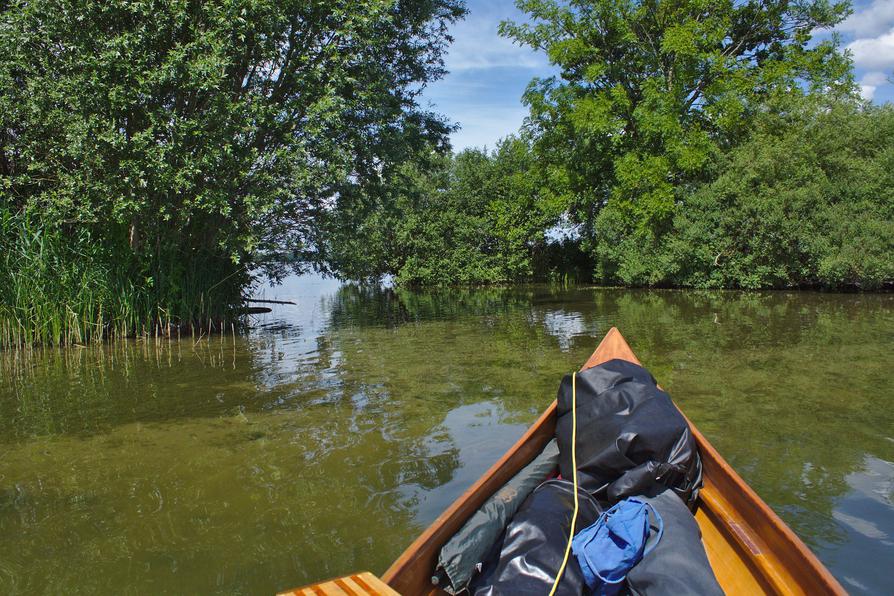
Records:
x=326, y=438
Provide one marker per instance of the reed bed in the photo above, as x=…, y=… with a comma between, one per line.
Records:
x=61, y=287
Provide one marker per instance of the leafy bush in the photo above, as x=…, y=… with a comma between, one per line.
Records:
x=473, y=218
x=806, y=204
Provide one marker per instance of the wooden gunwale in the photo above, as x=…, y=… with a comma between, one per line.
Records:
x=750, y=548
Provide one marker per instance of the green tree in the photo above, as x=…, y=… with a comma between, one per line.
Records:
x=807, y=201
x=650, y=92
x=476, y=217
x=187, y=136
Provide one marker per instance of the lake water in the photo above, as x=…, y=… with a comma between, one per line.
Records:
x=326, y=438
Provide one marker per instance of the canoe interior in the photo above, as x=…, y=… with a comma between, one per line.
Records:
x=750, y=548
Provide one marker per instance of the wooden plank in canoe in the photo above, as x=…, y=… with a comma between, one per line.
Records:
x=751, y=550
x=358, y=584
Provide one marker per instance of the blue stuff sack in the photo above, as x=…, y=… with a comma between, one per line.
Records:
x=610, y=548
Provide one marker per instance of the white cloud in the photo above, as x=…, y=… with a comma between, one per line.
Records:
x=485, y=104
x=477, y=45
x=871, y=21
x=487, y=76
x=876, y=53
x=867, y=92
x=485, y=125
x=874, y=78
x=870, y=82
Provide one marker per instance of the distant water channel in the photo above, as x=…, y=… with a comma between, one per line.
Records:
x=326, y=438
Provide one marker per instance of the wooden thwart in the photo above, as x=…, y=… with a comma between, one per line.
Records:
x=358, y=584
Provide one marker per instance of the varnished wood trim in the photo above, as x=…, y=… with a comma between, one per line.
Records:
x=781, y=557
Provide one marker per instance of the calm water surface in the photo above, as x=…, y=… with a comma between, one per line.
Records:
x=325, y=439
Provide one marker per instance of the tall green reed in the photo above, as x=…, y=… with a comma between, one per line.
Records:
x=63, y=286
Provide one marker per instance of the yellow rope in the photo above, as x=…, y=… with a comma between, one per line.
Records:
x=574, y=467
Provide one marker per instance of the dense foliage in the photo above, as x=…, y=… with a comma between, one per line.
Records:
x=682, y=143
x=184, y=137
x=805, y=202
x=476, y=217
x=649, y=93
x=156, y=154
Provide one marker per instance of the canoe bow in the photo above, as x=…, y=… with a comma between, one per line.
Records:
x=751, y=550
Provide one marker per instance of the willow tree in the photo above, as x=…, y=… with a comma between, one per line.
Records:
x=648, y=92
x=187, y=136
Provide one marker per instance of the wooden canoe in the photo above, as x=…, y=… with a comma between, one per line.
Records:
x=751, y=550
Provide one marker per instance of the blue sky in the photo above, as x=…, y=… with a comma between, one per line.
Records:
x=488, y=74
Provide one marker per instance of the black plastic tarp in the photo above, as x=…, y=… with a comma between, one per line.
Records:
x=631, y=441
x=629, y=435
x=530, y=553
x=527, y=558
x=461, y=556
x=677, y=565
